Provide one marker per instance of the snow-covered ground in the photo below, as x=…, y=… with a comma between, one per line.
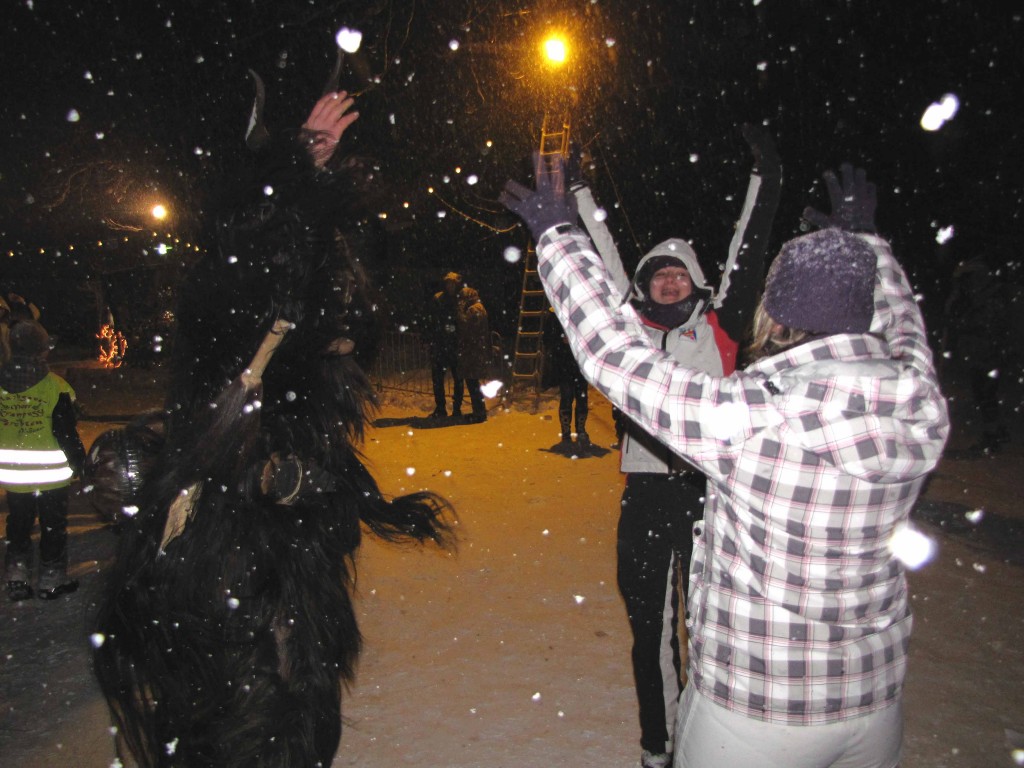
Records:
x=514, y=652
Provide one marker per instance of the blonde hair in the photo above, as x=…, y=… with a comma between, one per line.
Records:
x=769, y=337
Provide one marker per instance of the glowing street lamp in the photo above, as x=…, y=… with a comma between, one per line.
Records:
x=556, y=50
x=159, y=212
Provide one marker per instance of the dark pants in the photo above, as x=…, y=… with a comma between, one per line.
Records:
x=476, y=398
x=572, y=390
x=51, y=507
x=654, y=547
x=438, y=368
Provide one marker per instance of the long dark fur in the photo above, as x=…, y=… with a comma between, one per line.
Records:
x=229, y=646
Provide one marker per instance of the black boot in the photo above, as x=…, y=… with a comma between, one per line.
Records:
x=18, y=572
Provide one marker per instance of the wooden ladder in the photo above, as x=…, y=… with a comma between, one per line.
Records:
x=528, y=360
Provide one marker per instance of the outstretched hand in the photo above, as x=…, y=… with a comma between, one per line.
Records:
x=853, y=202
x=326, y=123
x=550, y=205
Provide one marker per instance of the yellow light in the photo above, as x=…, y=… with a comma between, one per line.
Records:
x=159, y=212
x=555, y=50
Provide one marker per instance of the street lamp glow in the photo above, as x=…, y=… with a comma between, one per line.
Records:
x=159, y=212
x=555, y=50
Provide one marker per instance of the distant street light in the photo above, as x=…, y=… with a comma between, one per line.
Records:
x=159, y=212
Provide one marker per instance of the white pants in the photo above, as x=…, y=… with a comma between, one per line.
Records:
x=711, y=736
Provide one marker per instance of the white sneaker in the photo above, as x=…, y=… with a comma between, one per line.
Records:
x=652, y=760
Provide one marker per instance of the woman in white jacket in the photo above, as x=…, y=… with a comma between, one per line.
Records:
x=701, y=328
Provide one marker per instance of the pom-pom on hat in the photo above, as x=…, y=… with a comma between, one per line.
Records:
x=823, y=282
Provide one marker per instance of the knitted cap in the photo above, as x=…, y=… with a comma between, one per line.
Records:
x=28, y=339
x=823, y=282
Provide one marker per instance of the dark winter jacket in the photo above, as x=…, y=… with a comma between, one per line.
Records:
x=474, y=336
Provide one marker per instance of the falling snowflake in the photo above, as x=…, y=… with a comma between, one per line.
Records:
x=911, y=547
x=940, y=112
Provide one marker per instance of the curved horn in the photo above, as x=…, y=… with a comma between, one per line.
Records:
x=334, y=79
x=256, y=134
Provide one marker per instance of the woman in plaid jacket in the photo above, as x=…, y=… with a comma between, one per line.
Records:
x=798, y=613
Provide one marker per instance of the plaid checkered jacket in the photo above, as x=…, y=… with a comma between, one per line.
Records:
x=798, y=608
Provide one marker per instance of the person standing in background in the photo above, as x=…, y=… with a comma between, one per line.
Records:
x=40, y=451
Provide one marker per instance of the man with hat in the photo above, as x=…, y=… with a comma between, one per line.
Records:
x=444, y=344
x=799, y=618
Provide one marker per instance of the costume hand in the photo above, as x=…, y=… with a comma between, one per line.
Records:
x=853, y=202
x=325, y=124
x=762, y=147
x=550, y=205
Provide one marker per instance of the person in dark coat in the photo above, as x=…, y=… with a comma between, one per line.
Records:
x=443, y=339
x=561, y=370
x=474, y=334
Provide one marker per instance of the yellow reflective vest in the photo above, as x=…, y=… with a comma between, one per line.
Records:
x=30, y=456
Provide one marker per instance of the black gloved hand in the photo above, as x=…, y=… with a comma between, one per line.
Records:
x=853, y=202
x=550, y=205
x=574, y=169
x=762, y=147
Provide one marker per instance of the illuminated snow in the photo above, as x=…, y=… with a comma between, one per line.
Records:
x=600, y=214
x=410, y=471
x=940, y=112
x=911, y=547
x=348, y=40
x=945, y=234
x=491, y=388
x=73, y=116
x=512, y=254
x=97, y=639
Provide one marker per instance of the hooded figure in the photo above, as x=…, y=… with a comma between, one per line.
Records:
x=664, y=494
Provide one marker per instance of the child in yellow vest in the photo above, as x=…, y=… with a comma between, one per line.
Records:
x=40, y=451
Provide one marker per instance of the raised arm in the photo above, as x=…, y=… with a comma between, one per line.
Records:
x=744, y=266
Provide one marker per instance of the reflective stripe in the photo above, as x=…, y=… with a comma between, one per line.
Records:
x=32, y=476
x=13, y=456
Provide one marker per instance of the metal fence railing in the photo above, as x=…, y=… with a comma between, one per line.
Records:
x=402, y=364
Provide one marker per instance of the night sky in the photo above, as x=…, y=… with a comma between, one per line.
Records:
x=110, y=105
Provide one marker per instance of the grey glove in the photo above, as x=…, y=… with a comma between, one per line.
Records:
x=853, y=202
x=550, y=205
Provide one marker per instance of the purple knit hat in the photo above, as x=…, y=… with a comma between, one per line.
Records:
x=823, y=282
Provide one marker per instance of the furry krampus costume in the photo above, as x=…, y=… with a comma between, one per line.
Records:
x=227, y=625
